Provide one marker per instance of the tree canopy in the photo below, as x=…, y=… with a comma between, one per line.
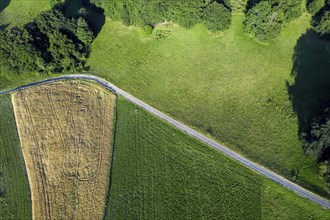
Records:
x=321, y=17
x=265, y=18
x=50, y=43
x=317, y=141
x=264, y=21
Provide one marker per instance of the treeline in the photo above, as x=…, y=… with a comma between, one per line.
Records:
x=266, y=18
x=215, y=14
x=52, y=42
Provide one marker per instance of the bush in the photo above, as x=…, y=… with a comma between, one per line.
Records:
x=147, y=29
x=162, y=33
x=263, y=21
x=216, y=17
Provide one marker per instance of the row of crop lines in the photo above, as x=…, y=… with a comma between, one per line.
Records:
x=213, y=186
x=80, y=113
x=69, y=118
x=161, y=173
x=79, y=123
x=64, y=114
x=15, y=200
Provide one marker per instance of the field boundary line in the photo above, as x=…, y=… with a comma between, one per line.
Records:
x=190, y=131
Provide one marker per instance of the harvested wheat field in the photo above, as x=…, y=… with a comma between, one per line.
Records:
x=66, y=131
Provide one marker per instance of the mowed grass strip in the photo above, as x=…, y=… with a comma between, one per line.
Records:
x=15, y=202
x=65, y=130
x=159, y=172
x=224, y=84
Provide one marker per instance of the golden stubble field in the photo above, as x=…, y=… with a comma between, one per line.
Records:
x=66, y=131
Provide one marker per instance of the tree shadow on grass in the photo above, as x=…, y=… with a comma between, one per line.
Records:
x=4, y=4
x=83, y=8
x=250, y=4
x=310, y=93
x=3, y=26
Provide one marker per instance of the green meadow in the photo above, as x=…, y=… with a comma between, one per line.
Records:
x=225, y=84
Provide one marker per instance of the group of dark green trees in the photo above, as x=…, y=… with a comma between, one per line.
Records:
x=320, y=9
x=266, y=18
x=52, y=42
x=215, y=14
x=316, y=142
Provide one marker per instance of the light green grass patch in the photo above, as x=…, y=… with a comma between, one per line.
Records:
x=19, y=12
x=225, y=84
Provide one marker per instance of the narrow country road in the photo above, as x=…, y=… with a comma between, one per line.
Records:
x=248, y=163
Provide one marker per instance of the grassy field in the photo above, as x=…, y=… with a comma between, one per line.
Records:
x=224, y=84
x=14, y=189
x=66, y=131
x=19, y=12
x=160, y=173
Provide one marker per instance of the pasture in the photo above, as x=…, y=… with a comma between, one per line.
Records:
x=66, y=131
x=224, y=84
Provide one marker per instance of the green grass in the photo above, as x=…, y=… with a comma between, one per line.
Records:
x=8, y=80
x=225, y=84
x=19, y=12
x=159, y=172
x=14, y=187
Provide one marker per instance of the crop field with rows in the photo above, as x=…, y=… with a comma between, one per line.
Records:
x=66, y=131
x=159, y=172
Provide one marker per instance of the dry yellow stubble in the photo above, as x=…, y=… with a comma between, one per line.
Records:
x=66, y=130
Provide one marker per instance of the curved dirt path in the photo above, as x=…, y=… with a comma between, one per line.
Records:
x=246, y=162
